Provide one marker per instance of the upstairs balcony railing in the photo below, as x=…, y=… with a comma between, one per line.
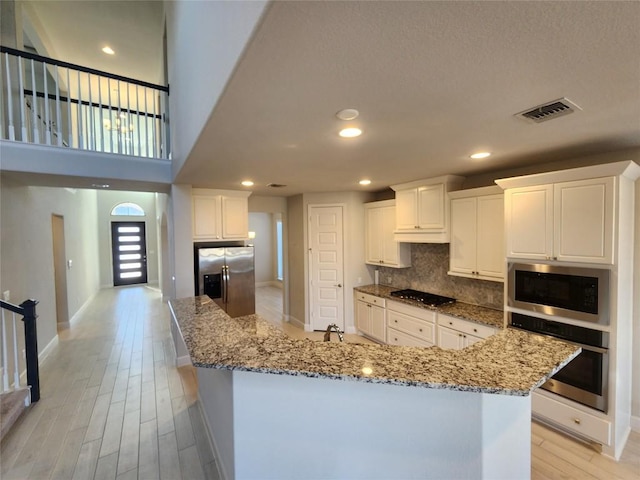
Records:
x=49, y=102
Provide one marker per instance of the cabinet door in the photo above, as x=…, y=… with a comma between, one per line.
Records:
x=450, y=339
x=390, y=253
x=374, y=249
x=362, y=316
x=235, y=217
x=469, y=340
x=206, y=217
x=407, y=209
x=462, y=251
x=490, y=236
x=529, y=222
x=583, y=221
x=431, y=207
x=377, y=323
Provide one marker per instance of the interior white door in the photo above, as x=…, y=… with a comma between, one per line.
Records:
x=326, y=267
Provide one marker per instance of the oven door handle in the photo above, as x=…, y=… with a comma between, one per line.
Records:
x=591, y=348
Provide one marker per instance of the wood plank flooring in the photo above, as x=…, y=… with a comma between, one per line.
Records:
x=114, y=406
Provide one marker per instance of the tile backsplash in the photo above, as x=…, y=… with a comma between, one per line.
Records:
x=428, y=272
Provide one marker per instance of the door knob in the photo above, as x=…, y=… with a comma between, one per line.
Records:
x=338, y=285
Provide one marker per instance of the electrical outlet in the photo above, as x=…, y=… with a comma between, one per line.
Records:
x=24, y=354
x=6, y=295
x=359, y=280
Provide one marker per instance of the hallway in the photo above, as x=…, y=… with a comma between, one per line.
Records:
x=113, y=403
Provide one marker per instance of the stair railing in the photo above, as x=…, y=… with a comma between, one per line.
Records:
x=28, y=311
x=50, y=102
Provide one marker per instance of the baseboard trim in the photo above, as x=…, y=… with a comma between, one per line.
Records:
x=212, y=441
x=271, y=283
x=42, y=358
x=293, y=320
x=183, y=361
x=76, y=316
x=351, y=329
x=635, y=423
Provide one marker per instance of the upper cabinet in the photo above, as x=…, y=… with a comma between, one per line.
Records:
x=380, y=246
x=477, y=233
x=568, y=215
x=569, y=221
x=220, y=214
x=422, y=209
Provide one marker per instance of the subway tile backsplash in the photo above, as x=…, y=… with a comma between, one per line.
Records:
x=428, y=273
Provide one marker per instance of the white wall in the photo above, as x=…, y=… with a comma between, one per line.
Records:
x=264, y=246
x=635, y=386
x=181, y=241
x=106, y=201
x=26, y=249
x=207, y=38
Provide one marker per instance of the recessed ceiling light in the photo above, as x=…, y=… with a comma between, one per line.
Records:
x=247, y=183
x=365, y=182
x=481, y=155
x=100, y=185
x=348, y=114
x=108, y=50
x=350, y=132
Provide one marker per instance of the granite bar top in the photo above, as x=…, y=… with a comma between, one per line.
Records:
x=512, y=362
x=466, y=311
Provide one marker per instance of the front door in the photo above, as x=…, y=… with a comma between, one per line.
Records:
x=129, y=252
x=326, y=267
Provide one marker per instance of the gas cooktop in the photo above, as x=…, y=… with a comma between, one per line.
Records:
x=430, y=299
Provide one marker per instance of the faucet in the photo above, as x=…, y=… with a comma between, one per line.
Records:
x=327, y=334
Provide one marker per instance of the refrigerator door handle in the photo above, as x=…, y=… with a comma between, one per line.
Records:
x=226, y=283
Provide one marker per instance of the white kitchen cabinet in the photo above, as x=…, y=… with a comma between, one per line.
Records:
x=380, y=246
x=477, y=234
x=220, y=215
x=422, y=209
x=455, y=333
x=410, y=326
x=370, y=316
x=568, y=221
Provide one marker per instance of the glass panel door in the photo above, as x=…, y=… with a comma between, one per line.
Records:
x=129, y=253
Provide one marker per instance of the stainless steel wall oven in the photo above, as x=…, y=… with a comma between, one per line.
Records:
x=571, y=292
x=585, y=378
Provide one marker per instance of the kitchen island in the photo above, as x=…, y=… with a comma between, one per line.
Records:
x=278, y=407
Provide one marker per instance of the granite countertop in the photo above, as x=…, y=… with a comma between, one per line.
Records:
x=512, y=362
x=466, y=311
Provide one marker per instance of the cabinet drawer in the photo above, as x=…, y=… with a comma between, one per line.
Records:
x=395, y=337
x=419, y=328
x=571, y=418
x=464, y=326
x=420, y=313
x=372, y=299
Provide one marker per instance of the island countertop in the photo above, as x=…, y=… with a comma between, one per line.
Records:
x=512, y=362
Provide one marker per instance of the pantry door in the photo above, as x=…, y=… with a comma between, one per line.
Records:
x=326, y=299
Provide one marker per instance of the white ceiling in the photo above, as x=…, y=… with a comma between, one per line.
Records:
x=434, y=82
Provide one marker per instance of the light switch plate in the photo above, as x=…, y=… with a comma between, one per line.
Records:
x=6, y=295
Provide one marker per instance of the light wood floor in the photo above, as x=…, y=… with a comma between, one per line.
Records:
x=115, y=406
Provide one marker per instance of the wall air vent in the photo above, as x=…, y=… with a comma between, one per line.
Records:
x=275, y=185
x=549, y=111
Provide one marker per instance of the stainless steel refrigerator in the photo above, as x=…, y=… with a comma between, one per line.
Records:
x=226, y=275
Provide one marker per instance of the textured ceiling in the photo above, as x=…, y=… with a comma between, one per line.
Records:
x=434, y=82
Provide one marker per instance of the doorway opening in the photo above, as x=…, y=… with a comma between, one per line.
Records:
x=60, y=271
x=129, y=253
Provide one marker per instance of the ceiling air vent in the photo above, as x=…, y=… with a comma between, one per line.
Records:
x=549, y=111
x=275, y=185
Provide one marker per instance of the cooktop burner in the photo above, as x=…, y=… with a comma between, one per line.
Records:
x=430, y=299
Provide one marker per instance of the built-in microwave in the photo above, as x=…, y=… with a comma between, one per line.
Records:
x=569, y=292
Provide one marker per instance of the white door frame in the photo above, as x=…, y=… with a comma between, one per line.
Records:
x=310, y=207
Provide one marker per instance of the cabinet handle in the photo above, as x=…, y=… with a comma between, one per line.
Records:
x=381, y=261
x=450, y=323
x=420, y=329
x=576, y=421
x=396, y=321
x=475, y=330
x=395, y=339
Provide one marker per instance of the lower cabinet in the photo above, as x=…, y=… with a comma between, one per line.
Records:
x=370, y=316
x=455, y=333
x=410, y=326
